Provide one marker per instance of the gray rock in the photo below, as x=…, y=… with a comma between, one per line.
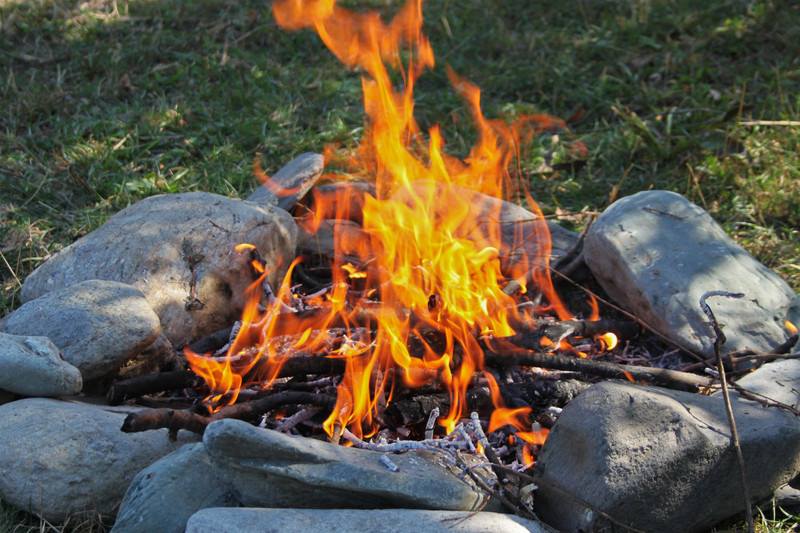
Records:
x=271, y=469
x=659, y=460
x=243, y=465
x=656, y=254
x=167, y=245
x=59, y=458
x=98, y=325
x=289, y=184
x=32, y=366
x=164, y=495
x=222, y=520
x=778, y=380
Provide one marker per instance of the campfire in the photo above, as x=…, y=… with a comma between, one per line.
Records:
x=422, y=296
x=424, y=310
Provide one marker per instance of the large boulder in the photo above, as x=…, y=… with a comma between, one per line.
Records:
x=656, y=254
x=33, y=366
x=60, y=458
x=222, y=520
x=178, y=249
x=659, y=460
x=98, y=325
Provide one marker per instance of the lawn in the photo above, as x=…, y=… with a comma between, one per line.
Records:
x=106, y=102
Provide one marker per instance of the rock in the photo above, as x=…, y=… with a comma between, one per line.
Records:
x=164, y=495
x=178, y=250
x=98, y=325
x=222, y=520
x=291, y=183
x=271, y=469
x=778, y=380
x=656, y=254
x=243, y=465
x=59, y=458
x=32, y=366
x=659, y=460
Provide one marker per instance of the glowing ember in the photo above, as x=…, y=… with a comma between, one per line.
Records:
x=427, y=261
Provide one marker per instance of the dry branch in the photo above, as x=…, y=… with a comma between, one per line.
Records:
x=671, y=379
x=185, y=419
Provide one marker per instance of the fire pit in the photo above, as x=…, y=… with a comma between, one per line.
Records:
x=427, y=321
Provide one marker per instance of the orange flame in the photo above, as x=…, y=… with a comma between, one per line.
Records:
x=430, y=248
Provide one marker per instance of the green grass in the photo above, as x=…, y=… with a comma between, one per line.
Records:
x=105, y=105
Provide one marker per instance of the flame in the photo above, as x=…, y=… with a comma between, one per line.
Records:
x=430, y=247
x=790, y=327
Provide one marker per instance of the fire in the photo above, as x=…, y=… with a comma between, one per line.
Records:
x=427, y=260
x=790, y=327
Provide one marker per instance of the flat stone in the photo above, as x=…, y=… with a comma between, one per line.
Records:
x=98, y=325
x=272, y=469
x=60, y=458
x=778, y=380
x=655, y=253
x=221, y=520
x=165, y=494
x=33, y=366
x=659, y=460
x=291, y=183
x=178, y=249
x=243, y=465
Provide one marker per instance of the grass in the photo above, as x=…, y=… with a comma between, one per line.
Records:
x=106, y=103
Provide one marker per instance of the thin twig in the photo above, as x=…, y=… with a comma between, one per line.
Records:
x=719, y=340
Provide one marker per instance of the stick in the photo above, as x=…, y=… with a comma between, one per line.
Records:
x=429, y=426
x=179, y=379
x=184, y=419
x=287, y=424
x=671, y=379
x=719, y=340
x=152, y=383
x=403, y=445
x=733, y=359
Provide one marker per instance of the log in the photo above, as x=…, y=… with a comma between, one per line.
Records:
x=174, y=420
x=150, y=384
x=671, y=379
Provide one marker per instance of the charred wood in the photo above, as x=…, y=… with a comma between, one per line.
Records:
x=174, y=420
x=672, y=379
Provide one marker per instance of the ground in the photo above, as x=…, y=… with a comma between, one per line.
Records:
x=108, y=102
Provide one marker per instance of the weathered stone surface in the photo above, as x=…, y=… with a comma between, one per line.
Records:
x=33, y=366
x=268, y=468
x=659, y=460
x=778, y=380
x=60, y=457
x=164, y=495
x=178, y=250
x=221, y=520
x=289, y=184
x=656, y=254
x=243, y=465
x=98, y=325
